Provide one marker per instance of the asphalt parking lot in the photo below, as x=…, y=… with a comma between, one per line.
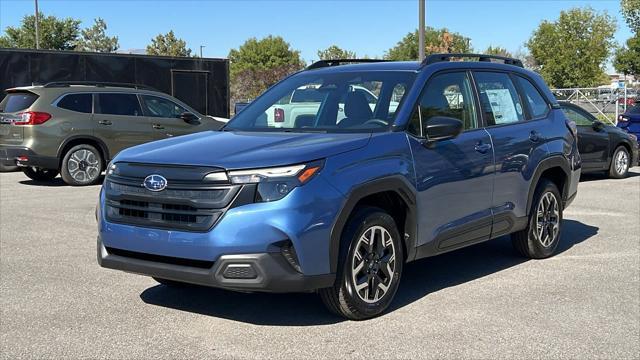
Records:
x=480, y=302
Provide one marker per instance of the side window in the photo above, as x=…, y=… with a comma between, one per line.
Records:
x=370, y=98
x=156, y=106
x=118, y=104
x=577, y=117
x=499, y=99
x=449, y=95
x=77, y=102
x=538, y=106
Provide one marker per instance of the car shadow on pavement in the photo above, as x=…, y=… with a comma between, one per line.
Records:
x=604, y=176
x=419, y=279
x=57, y=182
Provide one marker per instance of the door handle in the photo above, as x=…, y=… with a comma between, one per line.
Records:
x=482, y=148
x=105, y=122
x=158, y=126
x=534, y=136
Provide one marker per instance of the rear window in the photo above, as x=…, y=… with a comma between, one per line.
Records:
x=118, y=104
x=77, y=102
x=18, y=101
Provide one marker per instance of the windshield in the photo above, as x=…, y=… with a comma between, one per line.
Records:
x=329, y=102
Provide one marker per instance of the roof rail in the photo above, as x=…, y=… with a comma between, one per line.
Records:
x=337, y=62
x=435, y=58
x=98, y=84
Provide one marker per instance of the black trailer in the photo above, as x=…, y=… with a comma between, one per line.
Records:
x=203, y=83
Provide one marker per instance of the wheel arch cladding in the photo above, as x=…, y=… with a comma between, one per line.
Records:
x=88, y=140
x=555, y=169
x=392, y=194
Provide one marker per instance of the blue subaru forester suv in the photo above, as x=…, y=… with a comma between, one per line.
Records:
x=379, y=164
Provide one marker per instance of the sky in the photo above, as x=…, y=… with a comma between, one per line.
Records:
x=368, y=27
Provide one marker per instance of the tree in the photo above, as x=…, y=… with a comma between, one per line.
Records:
x=168, y=45
x=631, y=13
x=436, y=41
x=54, y=33
x=627, y=59
x=500, y=51
x=258, y=64
x=572, y=50
x=334, y=52
x=96, y=39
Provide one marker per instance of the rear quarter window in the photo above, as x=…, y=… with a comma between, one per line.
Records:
x=17, y=101
x=77, y=102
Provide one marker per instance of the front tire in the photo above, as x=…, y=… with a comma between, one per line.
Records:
x=619, y=163
x=81, y=165
x=38, y=174
x=540, y=238
x=369, y=267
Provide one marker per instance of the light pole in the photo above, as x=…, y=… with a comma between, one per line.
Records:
x=421, y=29
x=37, y=27
x=201, y=46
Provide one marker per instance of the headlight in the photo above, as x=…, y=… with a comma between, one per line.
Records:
x=111, y=168
x=275, y=183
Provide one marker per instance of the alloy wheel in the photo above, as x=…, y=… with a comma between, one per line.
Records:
x=373, y=264
x=547, y=219
x=621, y=162
x=83, y=165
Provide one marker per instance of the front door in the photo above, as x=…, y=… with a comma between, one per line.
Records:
x=164, y=116
x=593, y=144
x=454, y=178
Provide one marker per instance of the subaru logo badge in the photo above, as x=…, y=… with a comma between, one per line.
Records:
x=155, y=182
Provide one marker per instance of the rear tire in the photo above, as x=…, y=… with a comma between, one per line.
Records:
x=619, y=163
x=38, y=174
x=82, y=165
x=369, y=266
x=541, y=237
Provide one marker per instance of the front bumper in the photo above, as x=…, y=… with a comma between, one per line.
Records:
x=266, y=272
x=9, y=156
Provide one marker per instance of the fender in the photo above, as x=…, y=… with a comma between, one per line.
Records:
x=548, y=163
x=103, y=146
x=397, y=184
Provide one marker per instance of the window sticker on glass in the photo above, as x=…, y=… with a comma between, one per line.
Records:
x=502, y=105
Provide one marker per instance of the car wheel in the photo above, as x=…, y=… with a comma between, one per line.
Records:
x=619, y=163
x=541, y=237
x=38, y=174
x=369, y=267
x=170, y=283
x=81, y=165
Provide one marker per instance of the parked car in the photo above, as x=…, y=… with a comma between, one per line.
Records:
x=75, y=128
x=630, y=120
x=602, y=147
x=339, y=207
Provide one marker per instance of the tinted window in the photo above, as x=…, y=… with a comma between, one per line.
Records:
x=307, y=96
x=577, y=116
x=535, y=100
x=498, y=98
x=76, y=102
x=118, y=104
x=447, y=95
x=160, y=107
x=634, y=110
x=17, y=101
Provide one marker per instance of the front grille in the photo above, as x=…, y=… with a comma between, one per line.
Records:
x=185, y=204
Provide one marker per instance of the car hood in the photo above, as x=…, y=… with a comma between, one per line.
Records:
x=243, y=150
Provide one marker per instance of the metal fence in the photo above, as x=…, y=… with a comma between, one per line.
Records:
x=605, y=103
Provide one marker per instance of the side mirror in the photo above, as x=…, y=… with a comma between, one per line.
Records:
x=188, y=117
x=597, y=125
x=439, y=128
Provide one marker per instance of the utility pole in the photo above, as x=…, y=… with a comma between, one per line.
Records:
x=421, y=29
x=201, y=46
x=37, y=27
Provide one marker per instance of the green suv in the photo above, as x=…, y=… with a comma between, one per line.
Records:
x=76, y=128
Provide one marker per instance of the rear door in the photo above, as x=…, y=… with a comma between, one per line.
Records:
x=164, y=117
x=119, y=121
x=516, y=124
x=454, y=178
x=593, y=144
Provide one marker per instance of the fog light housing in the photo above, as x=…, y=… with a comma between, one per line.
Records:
x=289, y=253
x=239, y=271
